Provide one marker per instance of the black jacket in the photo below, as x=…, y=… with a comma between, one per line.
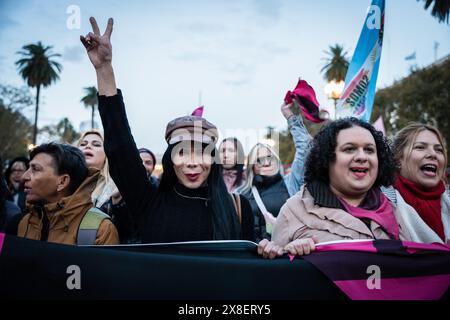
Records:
x=10, y=218
x=273, y=193
x=180, y=214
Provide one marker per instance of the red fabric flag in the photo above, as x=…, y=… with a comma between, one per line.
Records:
x=306, y=97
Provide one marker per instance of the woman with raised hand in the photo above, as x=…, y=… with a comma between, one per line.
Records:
x=341, y=199
x=266, y=187
x=191, y=202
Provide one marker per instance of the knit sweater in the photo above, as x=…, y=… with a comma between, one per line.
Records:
x=180, y=214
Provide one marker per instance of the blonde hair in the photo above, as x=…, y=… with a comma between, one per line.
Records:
x=105, y=186
x=404, y=141
x=251, y=160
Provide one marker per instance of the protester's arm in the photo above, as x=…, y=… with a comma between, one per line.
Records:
x=125, y=165
x=247, y=225
x=99, y=51
x=291, y=233
x=107, y=234
x=302, y=141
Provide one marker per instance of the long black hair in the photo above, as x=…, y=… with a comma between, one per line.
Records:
x=323, y=152
x=224, y=217
x=239, y=167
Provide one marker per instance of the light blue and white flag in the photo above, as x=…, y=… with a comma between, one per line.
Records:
x=360, y=82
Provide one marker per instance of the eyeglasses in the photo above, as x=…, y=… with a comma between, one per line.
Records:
x=264, y=160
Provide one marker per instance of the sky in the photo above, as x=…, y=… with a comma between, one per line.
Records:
x=238, y=57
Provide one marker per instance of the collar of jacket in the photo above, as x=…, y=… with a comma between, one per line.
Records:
x=201, y=192
x=68, y=208
x=323, y=196
x=266, y=181
x=325, y=212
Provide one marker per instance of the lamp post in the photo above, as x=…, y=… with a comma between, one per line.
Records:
x=334, y=90
x=269, y=140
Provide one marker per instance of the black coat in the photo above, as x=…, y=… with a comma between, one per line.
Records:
x=273, y=193
x=10, y=217
x=179, y=214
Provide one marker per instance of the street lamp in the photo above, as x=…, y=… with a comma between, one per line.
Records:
x=269, y=140
x=334, y=90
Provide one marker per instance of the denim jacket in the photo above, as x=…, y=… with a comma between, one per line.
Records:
x=303, y=141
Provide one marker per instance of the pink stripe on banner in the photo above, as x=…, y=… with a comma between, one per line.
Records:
x=413, y=247
x=415, y=288
x=365, y=246
x=2, y=237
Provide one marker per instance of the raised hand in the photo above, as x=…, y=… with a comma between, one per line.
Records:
x=286, y=110
x=98, y=46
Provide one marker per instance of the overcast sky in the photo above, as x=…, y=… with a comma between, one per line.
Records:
x=242, y=55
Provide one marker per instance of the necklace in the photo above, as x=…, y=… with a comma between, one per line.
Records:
x=188, y=197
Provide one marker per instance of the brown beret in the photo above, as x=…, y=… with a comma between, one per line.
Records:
x=191, y=128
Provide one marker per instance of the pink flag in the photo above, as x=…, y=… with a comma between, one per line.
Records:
x=306, y=96
x=379, y=125
x=198, y=112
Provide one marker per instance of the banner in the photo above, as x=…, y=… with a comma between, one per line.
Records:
x=227, y=270
x=386, y=269
x=186, y=271
x=361, y=79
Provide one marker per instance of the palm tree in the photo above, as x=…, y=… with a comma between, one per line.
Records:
x=440, y=10
x=37, y=69
x=63, y=131
x=336, y=64
x=66, y=131
x=90, y=101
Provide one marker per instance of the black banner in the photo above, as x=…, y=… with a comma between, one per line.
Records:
x=233, y=271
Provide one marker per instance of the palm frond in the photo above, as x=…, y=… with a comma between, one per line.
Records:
x=440, y=9
x=336, y=63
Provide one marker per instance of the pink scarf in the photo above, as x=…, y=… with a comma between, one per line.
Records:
x=229, y=177
x=384, y=215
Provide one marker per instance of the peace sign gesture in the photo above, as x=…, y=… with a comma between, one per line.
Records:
x=98, y=46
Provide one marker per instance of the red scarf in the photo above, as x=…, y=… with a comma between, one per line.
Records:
x=427, y=203
x=383, y=215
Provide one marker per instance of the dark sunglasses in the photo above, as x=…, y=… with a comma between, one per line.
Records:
x=264, y=160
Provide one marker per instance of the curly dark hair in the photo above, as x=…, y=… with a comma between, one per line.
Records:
x=323, y=152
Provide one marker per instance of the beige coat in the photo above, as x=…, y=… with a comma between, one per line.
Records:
x=299, y=218
x=65, y=218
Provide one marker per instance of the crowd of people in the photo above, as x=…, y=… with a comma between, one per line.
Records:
x=348, y=182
